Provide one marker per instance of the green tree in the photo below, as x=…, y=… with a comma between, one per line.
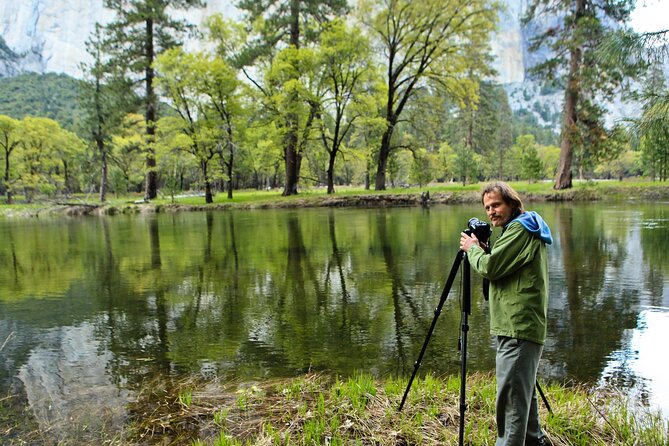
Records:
x=105, y=97
x=178, y=80
x=466, y=164
x=128, y=145
x=43, y=157
x=430, y=39
x=141, y=30
x=292, y=23
x=532, y=167
x=344, y=58
x=627, y=164
x=424, y=167
x=9, y=140
x=549, y=155
x=580, y=25
x=493, y=129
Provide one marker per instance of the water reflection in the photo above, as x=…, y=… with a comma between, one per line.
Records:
x=640, y=366
x=249, y=295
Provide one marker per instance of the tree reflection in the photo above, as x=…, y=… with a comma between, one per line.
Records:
x=592, y=313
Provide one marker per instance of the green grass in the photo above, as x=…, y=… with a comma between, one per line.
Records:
x=320, y=409
x=358, y=410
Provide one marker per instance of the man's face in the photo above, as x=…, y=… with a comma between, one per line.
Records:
x=498, y=211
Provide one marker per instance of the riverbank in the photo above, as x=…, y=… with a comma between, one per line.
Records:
x=325, y=410
x=347, y=197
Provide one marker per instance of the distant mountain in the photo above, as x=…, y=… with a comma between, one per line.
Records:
x=48, y=95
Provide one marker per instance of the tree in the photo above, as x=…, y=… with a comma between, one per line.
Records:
x=9, y=139
x=43, y=157
x=344, y=57
x=178, y=80
x=291, y=22
x=430, y=39
x=128, y=145
x=142, y=29
x=423, y=167
x=493, y=130
x=580, y=26
x=466, y=163
x=105, y=97
x=532, y=166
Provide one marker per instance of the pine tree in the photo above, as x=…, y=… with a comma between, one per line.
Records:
x=104, y=97
x=142, y=29
x=578, y=28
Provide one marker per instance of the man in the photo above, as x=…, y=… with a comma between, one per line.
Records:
x=517, y=267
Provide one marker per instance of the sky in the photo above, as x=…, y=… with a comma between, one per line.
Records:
x=650, y=15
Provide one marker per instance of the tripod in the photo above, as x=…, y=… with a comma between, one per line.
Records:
x=466, y=311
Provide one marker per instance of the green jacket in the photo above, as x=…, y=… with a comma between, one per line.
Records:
x=517, y=268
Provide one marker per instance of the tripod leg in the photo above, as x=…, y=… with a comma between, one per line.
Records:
x=466, y=311
x=437, y=312
x=543, y=397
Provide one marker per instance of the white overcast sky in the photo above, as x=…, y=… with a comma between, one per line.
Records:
x=650, y=15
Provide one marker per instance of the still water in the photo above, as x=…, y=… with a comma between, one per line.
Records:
x=90, y=308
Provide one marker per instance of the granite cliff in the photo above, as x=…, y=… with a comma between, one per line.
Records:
x=45, y=36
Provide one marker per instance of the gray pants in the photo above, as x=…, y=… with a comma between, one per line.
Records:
x=517, y=409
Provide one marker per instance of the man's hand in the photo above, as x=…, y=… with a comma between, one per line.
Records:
x=467, y=241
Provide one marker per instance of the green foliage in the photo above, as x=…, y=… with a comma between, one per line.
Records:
x=43, y=157
x=50, y=95
x=549, y=155
x=532, y=166
x=423, y=167
x=444, y=42
x=466, y=164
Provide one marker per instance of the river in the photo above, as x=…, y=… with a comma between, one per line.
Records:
x=90, y=308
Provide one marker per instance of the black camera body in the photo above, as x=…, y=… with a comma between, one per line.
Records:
x=480, y=229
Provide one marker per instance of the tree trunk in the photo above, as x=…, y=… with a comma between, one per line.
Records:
x=229, y=172
x=290, y=150
x=563, y=176
x=208, y=195
x=384, y=153
x=151, y=183
x=291, y=159
x=10, y=198
x=331, y=163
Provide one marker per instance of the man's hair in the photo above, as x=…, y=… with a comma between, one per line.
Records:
x=509, y=195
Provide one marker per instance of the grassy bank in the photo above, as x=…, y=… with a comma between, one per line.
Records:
x=322, y=410
x=318, y=410
x=440, y=193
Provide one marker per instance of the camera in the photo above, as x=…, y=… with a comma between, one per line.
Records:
x=480, y=229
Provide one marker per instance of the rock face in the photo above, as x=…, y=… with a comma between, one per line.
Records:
x=49, y=35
